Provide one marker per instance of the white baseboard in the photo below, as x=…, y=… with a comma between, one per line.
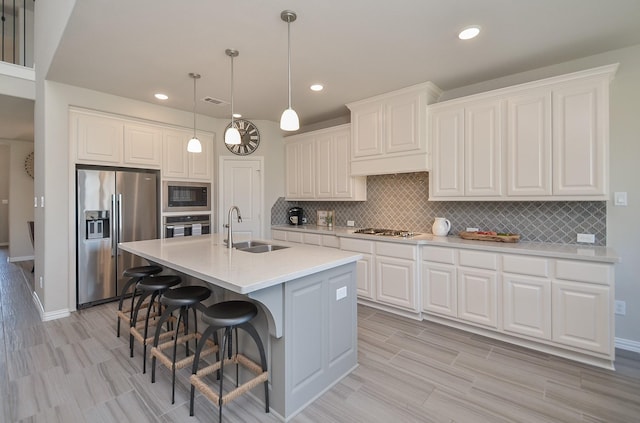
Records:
x=20, y=258
x=628, y=345
x=51, y=315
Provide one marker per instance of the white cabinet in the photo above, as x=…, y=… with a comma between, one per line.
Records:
x=142, y=145
x=178, y=163
x=582, y=299
x=322, y=240
x=467, y=150
x=98, y=138
x=555, y=305
x=388, y=132
x=396, y=275
x=526, y=296
x=318, y=167
x=365, y=266
x=555, y=146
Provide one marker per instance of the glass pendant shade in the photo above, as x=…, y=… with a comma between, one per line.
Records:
x=289, y=120
x=194, y=146
x=232, y=136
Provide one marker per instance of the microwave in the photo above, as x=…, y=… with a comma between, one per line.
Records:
x=186, y=196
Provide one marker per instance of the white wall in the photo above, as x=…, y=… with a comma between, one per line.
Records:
x=623, y=225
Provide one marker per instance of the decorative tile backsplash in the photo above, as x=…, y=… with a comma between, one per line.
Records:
x=400, y=202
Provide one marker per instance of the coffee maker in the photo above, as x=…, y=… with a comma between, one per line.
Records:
x=295, y=216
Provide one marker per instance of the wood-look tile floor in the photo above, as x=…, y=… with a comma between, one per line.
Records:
x=76, y=370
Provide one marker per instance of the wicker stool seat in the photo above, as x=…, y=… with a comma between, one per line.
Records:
x=135, y=275
x=229, y=316
x=182, y=298
x=149, y=287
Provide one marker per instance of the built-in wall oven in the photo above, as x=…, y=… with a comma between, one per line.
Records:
x=180, y=196
x=188, y=225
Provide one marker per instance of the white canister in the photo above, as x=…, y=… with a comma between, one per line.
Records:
x=441, y=226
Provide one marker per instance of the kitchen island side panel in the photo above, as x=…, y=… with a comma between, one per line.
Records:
x=319, y=346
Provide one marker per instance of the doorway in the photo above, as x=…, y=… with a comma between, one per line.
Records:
x=241, y=184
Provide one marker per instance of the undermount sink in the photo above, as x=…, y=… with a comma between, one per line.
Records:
x=247, y=244
x=262, y=248
x=257, y=246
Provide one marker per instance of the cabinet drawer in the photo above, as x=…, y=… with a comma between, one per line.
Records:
x=312, y=239
x=478, y=259
x=583, y=272
x=390, y=249
x=330, y=241
x=279, y=235
x=438, y=254
x=295, y=237
x=357, y=245
x=523, y=265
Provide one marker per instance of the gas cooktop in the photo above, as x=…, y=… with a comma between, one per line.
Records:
x=386, y=232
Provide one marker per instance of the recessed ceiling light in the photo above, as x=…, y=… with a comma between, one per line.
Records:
x=469, y=32
x=316, y=87
x=237, y=115
x=161, y=96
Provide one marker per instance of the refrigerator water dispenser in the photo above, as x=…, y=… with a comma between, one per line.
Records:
x=97, y=224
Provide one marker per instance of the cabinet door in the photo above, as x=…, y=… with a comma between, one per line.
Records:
x=483, y=149
x=580, y=131
x=292, y=170
x=365, y=277
x=581, y=316
x=447, y=135
x=142, y=145
x=527, y=305
x=99, y=139
x=175, y=161
x=342, y=180
x=200, y=163
x=307, y=169
x=324, y=166
x=439, y=289
x=477, y=296
x=529, y=144
x=403, y=127
x=367, y=130
x=395, y=282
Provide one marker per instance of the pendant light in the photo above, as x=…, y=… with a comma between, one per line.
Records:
x=194, y=145
x=289, y=120
x=232, y=136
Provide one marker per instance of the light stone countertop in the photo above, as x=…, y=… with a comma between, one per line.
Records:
x=205, y=257
x=543, y=249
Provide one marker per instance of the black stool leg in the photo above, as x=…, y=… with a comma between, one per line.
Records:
x=211, y=330
x=168, y=312
x=131, y=281
x=248, y=327
x=134, y=317
x=146, y=330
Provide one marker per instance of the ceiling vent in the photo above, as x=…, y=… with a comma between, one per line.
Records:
x=215, y=101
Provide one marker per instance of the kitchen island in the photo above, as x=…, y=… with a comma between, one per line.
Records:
x=307, y=294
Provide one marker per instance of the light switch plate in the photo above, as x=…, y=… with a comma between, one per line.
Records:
x=586, y=238
x=341, y=293
x=620, y=199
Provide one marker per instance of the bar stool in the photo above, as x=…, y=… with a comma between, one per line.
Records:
x=182, y=298
x=135, y=275
x=151, y=286
x=230, y=316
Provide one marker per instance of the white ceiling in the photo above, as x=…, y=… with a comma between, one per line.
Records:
x=356, y=48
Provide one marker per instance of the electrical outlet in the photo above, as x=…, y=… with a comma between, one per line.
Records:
x=351, y=223
x=341, y=293
x=304, y=220
x=472, y=229
x=621, y=308
x=586, y=238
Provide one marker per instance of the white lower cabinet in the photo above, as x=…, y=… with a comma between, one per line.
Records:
x=331, y=241
x=365, y=266
x=559, y=306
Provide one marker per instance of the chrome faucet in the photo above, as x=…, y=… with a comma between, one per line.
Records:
x=229, y=225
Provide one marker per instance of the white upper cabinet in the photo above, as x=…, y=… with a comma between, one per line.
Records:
x=389, y=133
x=544, y=140
x=178, y=163
x=98, y=139
x=318, y=166
x=142, y=145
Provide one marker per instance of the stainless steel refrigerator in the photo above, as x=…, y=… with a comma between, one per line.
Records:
x=112, y=206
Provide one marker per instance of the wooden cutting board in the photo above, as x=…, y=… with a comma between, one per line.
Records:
x=495, y=238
